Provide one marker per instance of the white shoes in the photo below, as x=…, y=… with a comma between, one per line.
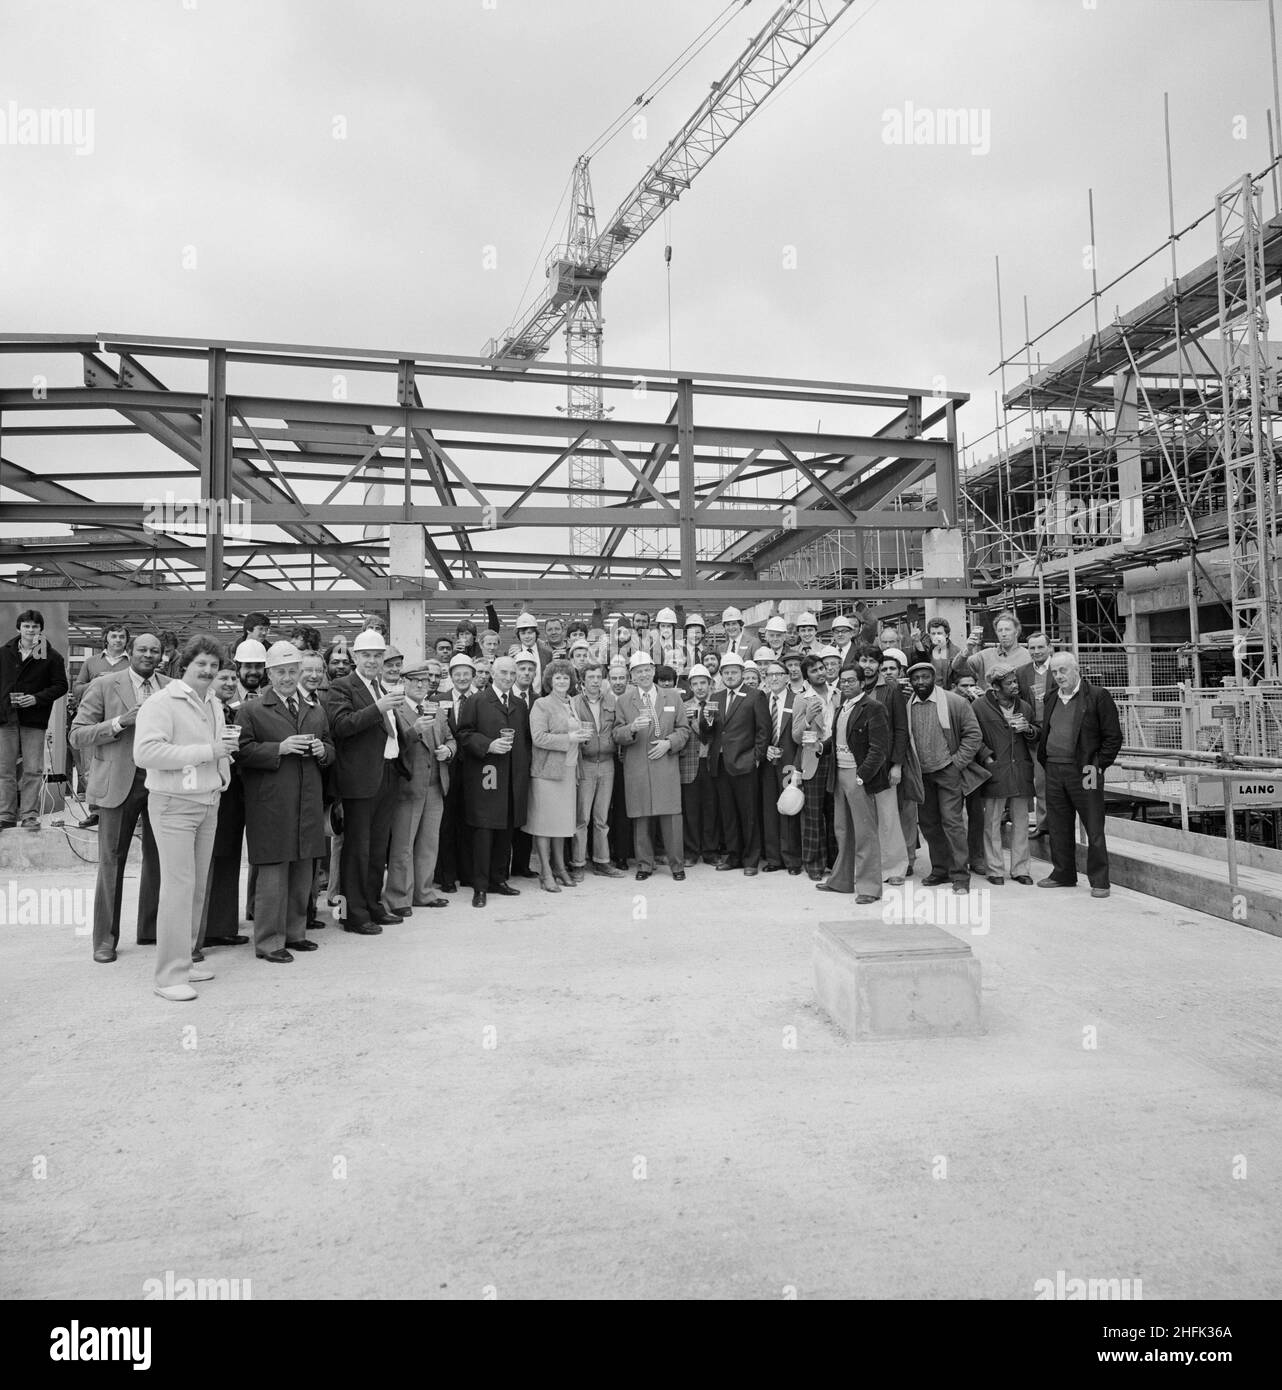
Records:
x=198, y=973
x=176, y=994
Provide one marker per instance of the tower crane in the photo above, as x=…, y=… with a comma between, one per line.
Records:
x=576, y=270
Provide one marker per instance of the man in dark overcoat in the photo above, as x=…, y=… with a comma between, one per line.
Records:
x=284, y=744
x=496, y=778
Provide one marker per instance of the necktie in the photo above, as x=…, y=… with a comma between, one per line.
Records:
x=146, y=690
x=775, y=701
x=503, y=701
x=293, y=708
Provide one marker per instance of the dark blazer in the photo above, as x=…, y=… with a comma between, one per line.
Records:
x=489, y=778
x=892, y=700
x=787, y=742
x=358, y=730
x=868, y=738
x=741, y=737
x=1097, y=730
x=229, y=837
x=45, y=677
x=284, y=798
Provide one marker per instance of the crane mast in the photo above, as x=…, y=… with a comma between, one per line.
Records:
x=577, y=269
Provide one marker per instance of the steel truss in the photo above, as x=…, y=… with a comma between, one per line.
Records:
x=277, y=478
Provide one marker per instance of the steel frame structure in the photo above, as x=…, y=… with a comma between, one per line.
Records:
x=480, y=481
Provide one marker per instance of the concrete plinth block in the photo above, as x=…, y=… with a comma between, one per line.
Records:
x=890, y=981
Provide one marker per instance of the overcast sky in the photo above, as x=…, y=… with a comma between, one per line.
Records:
x=214, y=127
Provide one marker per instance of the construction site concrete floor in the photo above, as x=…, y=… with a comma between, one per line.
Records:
x=627, y=1090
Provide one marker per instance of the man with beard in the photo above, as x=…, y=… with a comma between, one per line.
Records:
x=104, y=728
x=890, y=834
x=1007, y=724
x=946, y=737
x=494, y=734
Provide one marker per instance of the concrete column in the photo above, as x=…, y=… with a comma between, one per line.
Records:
x=407, y=556
x=943, y=555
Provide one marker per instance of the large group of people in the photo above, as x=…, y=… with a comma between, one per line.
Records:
x=342, y=776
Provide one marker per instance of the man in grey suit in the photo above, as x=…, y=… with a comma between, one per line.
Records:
x=104, y=727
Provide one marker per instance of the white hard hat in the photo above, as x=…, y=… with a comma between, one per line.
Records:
x=805, y=620
x=821, y=650
x=763, y=654
x=251, y=651
x=462, y=659
x=580, y=642
x=283, y=654
x=699, y=670
x=696, y=620
x=751, y=665
x=526, y=620
x=666, y=615
x=732, y=615
x=777, y=625
x=524, y=658
x=731, y=659
x=640, y=659
x=842, y=621
x=895, y=655
x=369, y=641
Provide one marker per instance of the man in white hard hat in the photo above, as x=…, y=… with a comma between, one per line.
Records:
x=454, y=854
x=285, y=741
x=737, y=640
x=367, y=771
x=694, y=631
x=666, y=648
x=527, y=640
x=652, y=729
x=807, y=626
x=738, y=749
x=843, y=639
x=251, y=668
x=699, y=813
x=776, y=635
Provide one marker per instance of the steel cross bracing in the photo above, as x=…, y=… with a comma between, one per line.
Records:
x=1249, y=465
x=94, y=455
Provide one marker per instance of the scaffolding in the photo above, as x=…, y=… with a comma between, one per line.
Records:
x=1129, y=451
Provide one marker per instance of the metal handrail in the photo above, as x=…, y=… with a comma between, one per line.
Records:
x=1248, y=770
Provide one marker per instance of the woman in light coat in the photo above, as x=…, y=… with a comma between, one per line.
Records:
x=183, y=742
x=556, y=733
